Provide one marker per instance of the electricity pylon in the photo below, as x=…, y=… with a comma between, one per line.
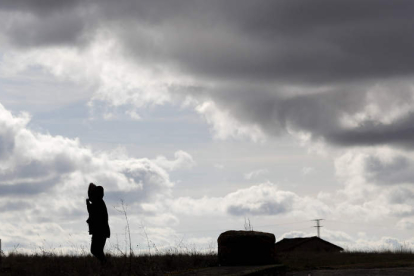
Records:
x=318, y=226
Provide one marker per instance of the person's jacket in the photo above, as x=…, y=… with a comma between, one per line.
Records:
x=98, y=218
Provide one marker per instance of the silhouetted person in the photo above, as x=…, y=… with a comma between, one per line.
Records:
x=98, y=221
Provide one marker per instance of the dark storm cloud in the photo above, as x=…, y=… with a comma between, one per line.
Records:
x=373, y=132
x=301, y=41
x=44, y=23
x=256, y=48
x=295, y=41
x=398, y=170
x=58, y=29
x=41, y=7
x=316, y=113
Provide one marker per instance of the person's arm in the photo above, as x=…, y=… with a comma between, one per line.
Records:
x=88, y=205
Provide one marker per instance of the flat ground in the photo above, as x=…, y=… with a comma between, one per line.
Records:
x=401, y=271
x=232, y=271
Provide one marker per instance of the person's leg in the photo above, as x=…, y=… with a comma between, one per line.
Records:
x=101, y=250
x=97, y=246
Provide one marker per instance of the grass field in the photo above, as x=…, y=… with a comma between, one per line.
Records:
x=171, y=263
x=51, y=265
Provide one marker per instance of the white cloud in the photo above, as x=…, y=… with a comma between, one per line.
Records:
x=45, y=178
x=134, y=115
x=358, y=200
x=57, y=170
x=377, y=184
x=254, y=174
x=101, y=68
x=225, y=126
x=182, y=160
x=261, y=200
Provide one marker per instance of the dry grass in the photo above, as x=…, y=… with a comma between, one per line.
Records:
x=52, y=264
x=172, y=262
x=120, y=262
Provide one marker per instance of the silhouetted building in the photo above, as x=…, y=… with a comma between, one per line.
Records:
x=311, y=244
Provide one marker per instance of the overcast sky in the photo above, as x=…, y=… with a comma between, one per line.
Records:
x=200, y=114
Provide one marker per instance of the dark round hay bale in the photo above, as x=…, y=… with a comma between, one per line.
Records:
x=246, y=248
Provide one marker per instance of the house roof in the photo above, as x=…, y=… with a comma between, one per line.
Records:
x=289, y=244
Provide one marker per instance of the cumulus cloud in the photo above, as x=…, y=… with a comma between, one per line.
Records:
x=380, y=166
x=225, y=126
x=182, y=160
x=56, y=169
x=377, y=184
x=357, y=200
x=258, y=200
x=45, y=178
x=40, y=162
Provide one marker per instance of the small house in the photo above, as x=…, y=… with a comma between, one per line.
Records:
x=311, y=244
